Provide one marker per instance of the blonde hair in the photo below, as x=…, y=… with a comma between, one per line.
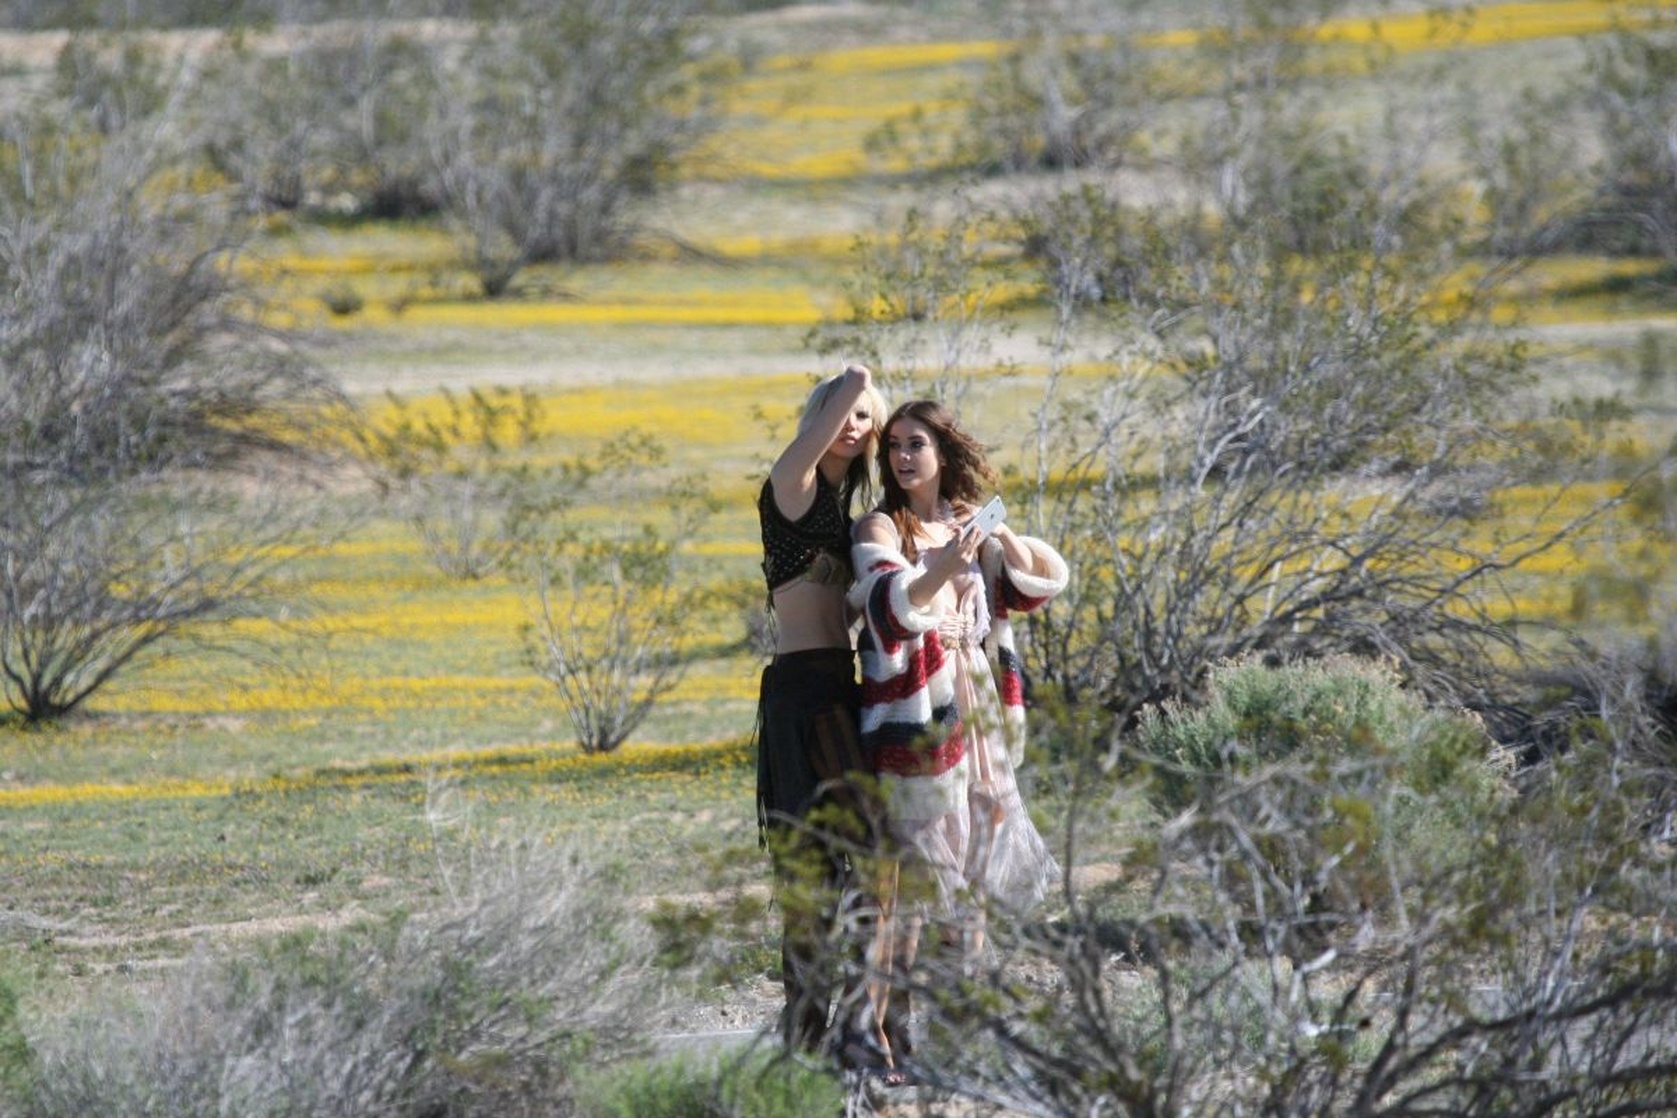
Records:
x=859, y=478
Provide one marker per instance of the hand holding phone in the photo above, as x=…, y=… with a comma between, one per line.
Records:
x=988, y=518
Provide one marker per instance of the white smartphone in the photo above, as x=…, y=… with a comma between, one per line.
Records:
x=988, y=517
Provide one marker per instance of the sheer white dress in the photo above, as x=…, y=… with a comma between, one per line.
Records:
x=974, y=831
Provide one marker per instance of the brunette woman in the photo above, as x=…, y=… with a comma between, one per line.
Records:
x=942, y=695
x=812, y=774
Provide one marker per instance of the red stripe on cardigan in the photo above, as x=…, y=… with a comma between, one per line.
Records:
x=916, y=759
x=910, y=681
x=923, y=663
x=890, y=629
x=1010, y=597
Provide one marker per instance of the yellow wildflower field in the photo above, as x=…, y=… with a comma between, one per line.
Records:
x=323, y=748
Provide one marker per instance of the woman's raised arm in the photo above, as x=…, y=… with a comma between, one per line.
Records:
x=793, y=473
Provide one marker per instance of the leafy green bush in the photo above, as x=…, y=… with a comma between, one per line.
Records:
x=685, y=1087
x=1256, y=714
x=1366, y=771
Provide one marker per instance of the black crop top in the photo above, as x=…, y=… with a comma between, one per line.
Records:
x=792, y=547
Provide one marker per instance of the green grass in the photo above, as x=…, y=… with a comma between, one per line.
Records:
x=119, y=870
x=696, y=1087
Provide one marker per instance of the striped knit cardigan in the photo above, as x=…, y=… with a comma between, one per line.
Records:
x=909, y=720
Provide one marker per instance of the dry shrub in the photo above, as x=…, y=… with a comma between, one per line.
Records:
x=1327, y=931
x=490, y=1006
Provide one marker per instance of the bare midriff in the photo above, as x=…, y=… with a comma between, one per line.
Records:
x=810, y=615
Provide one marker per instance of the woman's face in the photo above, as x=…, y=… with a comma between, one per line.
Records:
x=852, y=438
x=912, y=455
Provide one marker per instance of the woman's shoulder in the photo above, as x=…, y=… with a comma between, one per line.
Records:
x=877, y=517
x=877, y=527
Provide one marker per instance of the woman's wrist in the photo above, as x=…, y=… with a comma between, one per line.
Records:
x=1018, y=555
x=922, y=590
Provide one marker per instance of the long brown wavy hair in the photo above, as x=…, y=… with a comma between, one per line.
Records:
x=964, y=475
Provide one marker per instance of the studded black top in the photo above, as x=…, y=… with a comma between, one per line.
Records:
x=816, y=545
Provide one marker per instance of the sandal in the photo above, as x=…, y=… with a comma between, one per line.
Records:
x=864, y=1055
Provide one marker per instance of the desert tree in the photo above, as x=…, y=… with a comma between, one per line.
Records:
x=323, y=119
x=1525, y=168
x=1259, y=135
x=264, y=118
x=458, y=470
x=110, y=81
x=1585, y=163
x=490, y=494
x=1298, y=476
x=1089, y=266
x=615, y=600
x=153, y=429
x=556, y=123
x=923, y=303
x=379, y=71
x=1070, y=89
x=1307, y=411
x=1629, y=95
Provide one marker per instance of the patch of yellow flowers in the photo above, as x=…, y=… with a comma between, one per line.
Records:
x=535, y=761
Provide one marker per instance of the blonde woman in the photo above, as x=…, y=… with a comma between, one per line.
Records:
x=812, y=774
